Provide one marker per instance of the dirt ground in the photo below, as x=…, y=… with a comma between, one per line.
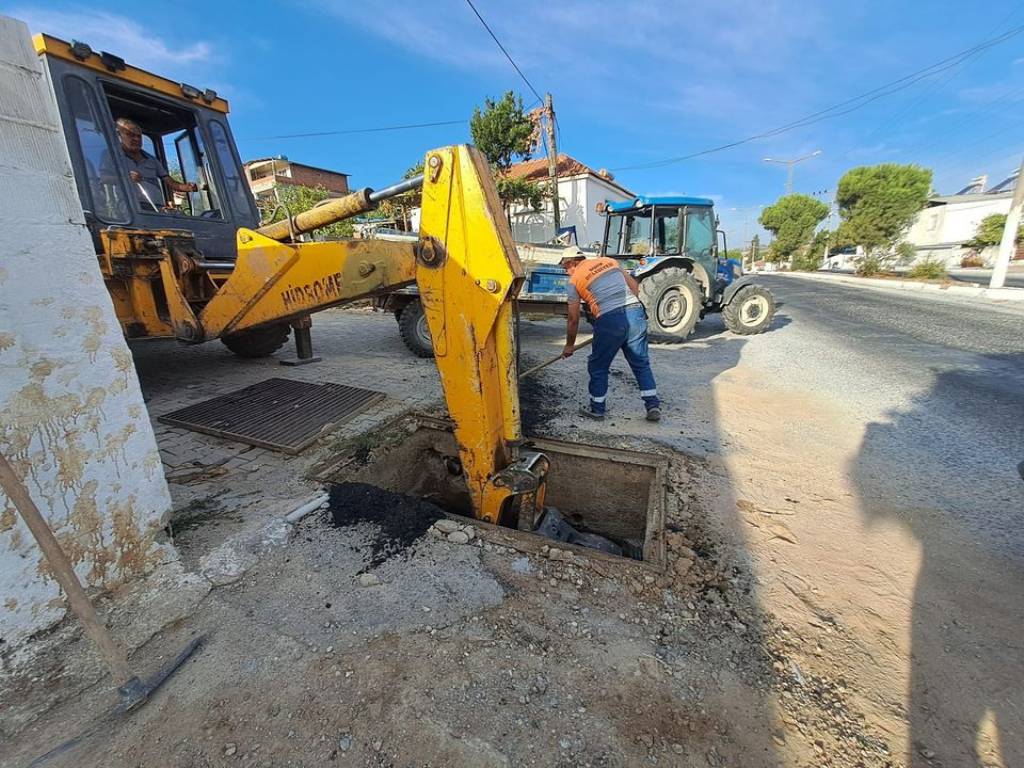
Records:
x=779, y=634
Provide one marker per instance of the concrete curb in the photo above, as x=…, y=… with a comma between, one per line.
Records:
x=957, y=291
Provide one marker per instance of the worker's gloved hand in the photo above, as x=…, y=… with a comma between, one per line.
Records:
x=568, y=350
x=134, y=175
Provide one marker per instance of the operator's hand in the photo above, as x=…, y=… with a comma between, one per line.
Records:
x=134, y=175
x=568, y=350
x=193, y=187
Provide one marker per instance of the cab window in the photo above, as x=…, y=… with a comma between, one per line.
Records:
x=629, y=234
x=668, y=224
x=171, y=151
x=108, y=200
x=237, y=187
x=700, y=232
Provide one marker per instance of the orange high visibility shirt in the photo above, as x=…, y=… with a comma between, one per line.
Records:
x=613, y=290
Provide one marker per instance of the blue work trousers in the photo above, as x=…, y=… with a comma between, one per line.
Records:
x=626, y=329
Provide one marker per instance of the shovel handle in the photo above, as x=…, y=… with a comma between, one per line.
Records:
x=64, y=573
x=546, y=363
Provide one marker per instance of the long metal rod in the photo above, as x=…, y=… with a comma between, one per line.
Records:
x=65, y=575
x=553, y=360
x=396, y=189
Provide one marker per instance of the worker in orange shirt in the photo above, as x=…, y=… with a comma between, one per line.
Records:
x=620, y=323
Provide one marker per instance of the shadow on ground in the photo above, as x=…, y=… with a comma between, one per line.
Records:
x=966, y=698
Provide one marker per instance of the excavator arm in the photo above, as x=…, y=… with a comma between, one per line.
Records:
x=467, y=271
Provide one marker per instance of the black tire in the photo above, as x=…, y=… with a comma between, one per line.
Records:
x=674, y=300
x=412, y=324
x=750, y=311
x=258, y=342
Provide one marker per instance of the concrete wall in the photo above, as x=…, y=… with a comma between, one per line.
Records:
x=577, y=197
x=72, y=418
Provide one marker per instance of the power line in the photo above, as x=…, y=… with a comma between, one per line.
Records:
x=936, y=84
x=507, y=55
x=852, y=104
x=357, y=130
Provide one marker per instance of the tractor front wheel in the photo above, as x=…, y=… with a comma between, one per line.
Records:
x=258, y=342
x=673, y=299
x=750, y=311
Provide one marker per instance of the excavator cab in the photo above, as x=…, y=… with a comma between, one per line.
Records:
x=184, y=131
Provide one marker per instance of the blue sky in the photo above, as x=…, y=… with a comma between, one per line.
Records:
x=634, y=81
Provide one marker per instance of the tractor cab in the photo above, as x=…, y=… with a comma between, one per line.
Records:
x=105, y=104
x=670, y=244
x=650, y=231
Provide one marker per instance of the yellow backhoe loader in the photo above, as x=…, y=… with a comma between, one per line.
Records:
x=196, y=265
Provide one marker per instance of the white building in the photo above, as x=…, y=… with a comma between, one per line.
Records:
x=948, y=221
x=580, y=189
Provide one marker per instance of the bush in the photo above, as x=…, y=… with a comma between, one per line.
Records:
x=869, y=265
x=905, y=254
x=928, y=270
x=972, y=260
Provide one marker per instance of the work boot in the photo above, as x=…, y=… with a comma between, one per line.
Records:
x=585, y=411
x=654, y=414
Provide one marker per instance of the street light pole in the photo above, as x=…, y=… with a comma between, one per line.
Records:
x=789, y=167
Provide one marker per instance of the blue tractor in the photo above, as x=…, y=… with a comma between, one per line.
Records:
x=671, y=245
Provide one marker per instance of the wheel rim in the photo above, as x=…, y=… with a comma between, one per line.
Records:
x=673, y=308
x=423, y=332
x=753, y=310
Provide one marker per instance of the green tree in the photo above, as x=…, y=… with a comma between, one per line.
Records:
x=877, y=203
x=792, y=220
x=990, y=231
x=512, y=190
x=295, y=199
x=808, y=258
x=503, y=131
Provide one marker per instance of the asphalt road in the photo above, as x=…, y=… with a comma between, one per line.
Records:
x=940, y=384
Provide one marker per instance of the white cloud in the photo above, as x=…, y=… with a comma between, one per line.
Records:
x=119, y=35
x=615, y=57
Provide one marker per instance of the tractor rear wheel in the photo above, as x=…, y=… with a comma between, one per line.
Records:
x=258, y=342
x=412, y=324
x=750, y=311
x=673, y=299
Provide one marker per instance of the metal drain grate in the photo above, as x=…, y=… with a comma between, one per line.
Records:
x=279, y=414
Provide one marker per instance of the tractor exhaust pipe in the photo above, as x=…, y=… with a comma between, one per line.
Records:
x=335, y=210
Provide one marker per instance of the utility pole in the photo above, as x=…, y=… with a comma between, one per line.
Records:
x=1009, y=242
x=789, y=167
x=549, y=111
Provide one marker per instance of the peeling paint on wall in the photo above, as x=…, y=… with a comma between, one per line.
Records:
x=72, y=418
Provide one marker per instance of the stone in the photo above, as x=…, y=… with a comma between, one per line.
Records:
x=230, y=749
x=345, y=742
x=369, y=579
x=682, y=566
x=677, y=748
x=446, y=526
x=470, y=531
x=458, y=537
x=378, y=745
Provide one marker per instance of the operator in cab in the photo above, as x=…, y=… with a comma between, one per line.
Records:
x=145, y=171
x=620, y=323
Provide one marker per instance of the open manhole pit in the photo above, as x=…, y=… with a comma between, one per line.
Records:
x=616, y=494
